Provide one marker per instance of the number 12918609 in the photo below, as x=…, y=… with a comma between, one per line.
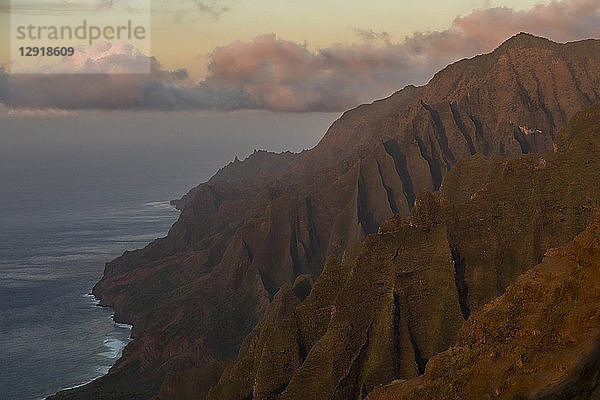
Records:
x=46, y=51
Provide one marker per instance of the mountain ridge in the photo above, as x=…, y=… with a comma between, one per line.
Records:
x=413, y=283
x=234, y=245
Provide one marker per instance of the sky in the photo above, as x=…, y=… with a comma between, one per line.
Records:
x=318, y=24
x=285, y=56
x=186, y=32
x=90, y=152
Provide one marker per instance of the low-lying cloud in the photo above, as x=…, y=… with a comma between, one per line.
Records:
x=271, y=73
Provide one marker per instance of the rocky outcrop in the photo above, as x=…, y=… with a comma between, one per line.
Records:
x=194, y=295
x=261, y=167
x=412, y=285
x=539, y=340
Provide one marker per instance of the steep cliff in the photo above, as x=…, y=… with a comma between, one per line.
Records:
x=539, y=340
x=194, y=295
x=412, y=285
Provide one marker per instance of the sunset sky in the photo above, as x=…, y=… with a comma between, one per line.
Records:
x=184, y=35
x=305, y=56
x=185, y=32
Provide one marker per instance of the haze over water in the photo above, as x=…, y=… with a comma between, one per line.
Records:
x=78, y=190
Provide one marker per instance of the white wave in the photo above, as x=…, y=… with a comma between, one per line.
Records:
x=114, y=346
x=165, y=205
x=123, y=326
x=92, y=299
x=100, y=371
x=103, y=370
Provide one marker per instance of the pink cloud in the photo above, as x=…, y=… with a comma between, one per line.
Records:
x=282, y=75
x=276, y=74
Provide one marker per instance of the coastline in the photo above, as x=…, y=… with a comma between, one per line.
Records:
x=113, y=345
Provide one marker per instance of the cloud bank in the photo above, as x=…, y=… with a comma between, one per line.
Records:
x=275, y=74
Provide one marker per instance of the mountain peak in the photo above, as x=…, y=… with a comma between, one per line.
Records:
x=525, y=40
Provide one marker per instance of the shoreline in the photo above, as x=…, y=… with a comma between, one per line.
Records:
x=111, y=351
x=117, y=351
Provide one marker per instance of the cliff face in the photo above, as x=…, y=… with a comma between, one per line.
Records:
x=411, y=286
x=260, y=168
x=194, y=295
x=540, y=340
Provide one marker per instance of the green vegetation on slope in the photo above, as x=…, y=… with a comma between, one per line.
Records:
x=413, y=284
x=539, y=340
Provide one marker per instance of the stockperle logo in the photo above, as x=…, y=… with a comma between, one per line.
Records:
x=83, y=37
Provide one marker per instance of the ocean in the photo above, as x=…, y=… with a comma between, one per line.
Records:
x=52, y=333
x=76, y=191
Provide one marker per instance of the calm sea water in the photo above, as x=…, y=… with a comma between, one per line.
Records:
x=77, y=191
x=52, y=334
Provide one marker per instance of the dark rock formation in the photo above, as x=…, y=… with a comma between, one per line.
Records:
x=539, y=340
x=411, y=286
x=194, y=295
x=261, y=167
